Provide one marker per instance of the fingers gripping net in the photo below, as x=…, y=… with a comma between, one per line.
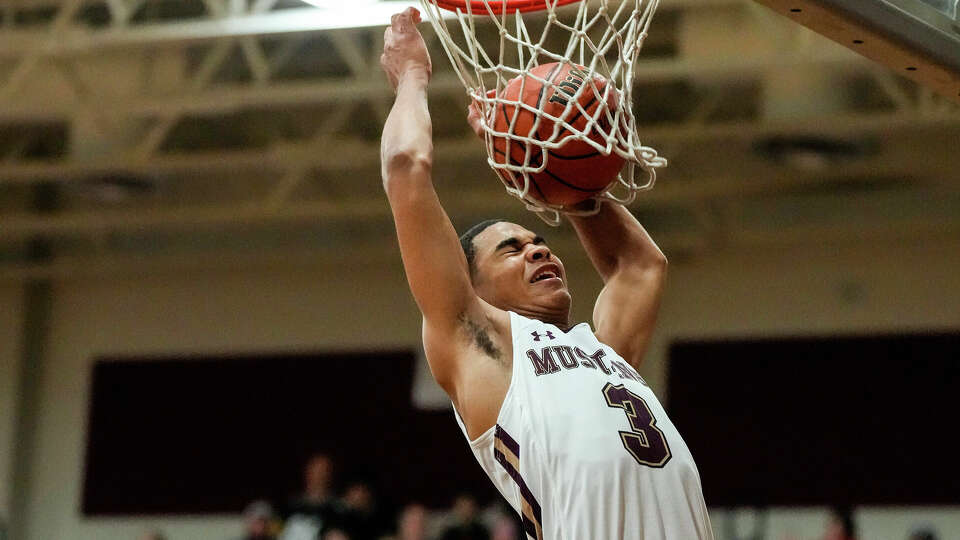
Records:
x=489, y=43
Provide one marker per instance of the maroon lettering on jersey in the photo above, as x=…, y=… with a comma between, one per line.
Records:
x=544, y=363
x=621, y=369
x=549, y=359
x=593, y=360
x=565, y=355
x=627, y=372
x=585, y=360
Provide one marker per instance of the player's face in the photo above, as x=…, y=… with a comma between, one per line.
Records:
x=515, y=270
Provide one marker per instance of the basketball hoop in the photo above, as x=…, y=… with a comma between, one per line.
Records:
x=490, y=44
x=498, y=7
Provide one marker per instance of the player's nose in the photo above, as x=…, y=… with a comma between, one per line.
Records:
x=538, y=252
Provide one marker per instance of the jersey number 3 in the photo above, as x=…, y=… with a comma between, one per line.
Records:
x=645, y=442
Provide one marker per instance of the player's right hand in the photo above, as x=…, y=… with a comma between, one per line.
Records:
x=404, y=51
x=475, y=113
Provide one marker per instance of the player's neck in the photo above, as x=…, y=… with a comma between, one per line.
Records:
x=559, y=319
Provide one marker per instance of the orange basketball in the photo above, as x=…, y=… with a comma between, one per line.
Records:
x=576, y=171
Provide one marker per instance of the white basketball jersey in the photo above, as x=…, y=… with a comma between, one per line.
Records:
x=582, y=448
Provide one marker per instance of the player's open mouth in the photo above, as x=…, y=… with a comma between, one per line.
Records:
x=545, y=273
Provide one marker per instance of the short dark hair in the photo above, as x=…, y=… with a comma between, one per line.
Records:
x=466, y=241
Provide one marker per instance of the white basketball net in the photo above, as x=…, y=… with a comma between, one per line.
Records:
x=605, y=36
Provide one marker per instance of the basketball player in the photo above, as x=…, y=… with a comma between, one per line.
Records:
x=555, y=413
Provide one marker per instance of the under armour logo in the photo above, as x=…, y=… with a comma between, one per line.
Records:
x=538, y=335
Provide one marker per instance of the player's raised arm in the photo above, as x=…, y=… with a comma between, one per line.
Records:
x=633, y=270
x=435, y=265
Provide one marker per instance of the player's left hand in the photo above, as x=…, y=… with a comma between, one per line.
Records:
x=404, y=51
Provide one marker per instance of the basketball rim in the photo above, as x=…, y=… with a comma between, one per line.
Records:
x=498, y=7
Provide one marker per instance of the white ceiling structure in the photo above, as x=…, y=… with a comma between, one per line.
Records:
x=137, y=135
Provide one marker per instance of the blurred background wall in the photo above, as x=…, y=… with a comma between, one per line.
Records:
x=10, y=333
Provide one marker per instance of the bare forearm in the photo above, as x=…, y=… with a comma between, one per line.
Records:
x=407, y=138
x=435, y=266
x=614, y=238
x=633, y=270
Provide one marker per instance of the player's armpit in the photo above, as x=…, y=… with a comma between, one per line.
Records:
x=626, y=310
x=474, y=334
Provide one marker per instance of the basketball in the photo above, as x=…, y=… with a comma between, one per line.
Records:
x=576, y=171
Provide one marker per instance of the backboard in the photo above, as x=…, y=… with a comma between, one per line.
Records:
x=919, y=39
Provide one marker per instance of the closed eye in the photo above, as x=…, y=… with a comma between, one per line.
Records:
x=516, y=246
x=509, y=245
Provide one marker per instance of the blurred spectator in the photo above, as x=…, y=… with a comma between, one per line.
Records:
x=507, y=525
x=363, y=520
x=412, y=523
x=153, y=534
x=314, y=513
x=924, y=533
x=467, y=524
x=258, y=520
x=505, y=528
x=841, y=525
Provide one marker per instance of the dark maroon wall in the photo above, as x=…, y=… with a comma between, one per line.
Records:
x=210, y=435
x=857, y=420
